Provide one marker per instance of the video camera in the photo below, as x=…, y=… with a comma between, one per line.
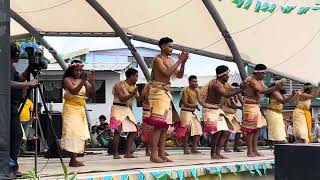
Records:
x=35, y=56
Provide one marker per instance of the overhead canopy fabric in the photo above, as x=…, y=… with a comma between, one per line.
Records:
x=288, y=43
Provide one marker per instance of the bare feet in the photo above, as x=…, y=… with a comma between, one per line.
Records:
x=186, y=152
x=116, y=156
x=156, y=159
x=222, y=157
x=237, y=150
x=76, y=164
x=258, y=154
x=226, y=150
x=251, y=154
x=166, y=154
x=195, y=151
x=165, y=158
x=129, y=156
x=215, y=156
x=148, y=153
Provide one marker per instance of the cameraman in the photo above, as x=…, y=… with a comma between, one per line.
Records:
x=17, y=85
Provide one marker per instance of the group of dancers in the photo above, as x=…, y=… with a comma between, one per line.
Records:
x=219, y=102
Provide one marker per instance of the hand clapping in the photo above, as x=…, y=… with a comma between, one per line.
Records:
x=183, y=56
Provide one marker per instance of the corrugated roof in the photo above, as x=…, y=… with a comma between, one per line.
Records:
x=202, y=80
x=95, y=66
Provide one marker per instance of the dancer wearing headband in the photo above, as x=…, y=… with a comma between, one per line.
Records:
x=215, y=121
x=276, y=126
x=74, y=125
x=230, y=106
x=302, y=120
x=253, y=119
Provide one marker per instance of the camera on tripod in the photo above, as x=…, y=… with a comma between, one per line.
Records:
x=35, y=56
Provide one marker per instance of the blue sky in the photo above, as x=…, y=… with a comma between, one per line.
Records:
x=198, y=65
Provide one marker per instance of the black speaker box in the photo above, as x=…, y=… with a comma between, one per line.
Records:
x=297, y=162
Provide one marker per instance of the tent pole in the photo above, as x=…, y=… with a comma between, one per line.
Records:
x=38, y=37
x=181, y=48
x=123, y=36
x=225, y=33
x=5, y=77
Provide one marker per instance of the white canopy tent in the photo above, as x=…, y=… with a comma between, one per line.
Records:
x=286, y=43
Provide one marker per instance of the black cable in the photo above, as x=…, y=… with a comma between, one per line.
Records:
x=44, y=166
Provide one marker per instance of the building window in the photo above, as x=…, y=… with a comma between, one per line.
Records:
x=52, y=91
x=147, y=60
x=100, y=96
x=133, y=62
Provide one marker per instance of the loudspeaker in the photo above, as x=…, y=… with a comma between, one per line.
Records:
x=140, y=89
x=49, y=135
x=297, y=162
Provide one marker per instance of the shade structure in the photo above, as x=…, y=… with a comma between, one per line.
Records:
x=286, y=43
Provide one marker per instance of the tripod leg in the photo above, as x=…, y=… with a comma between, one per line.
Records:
x=43, y=144
x=51, y=125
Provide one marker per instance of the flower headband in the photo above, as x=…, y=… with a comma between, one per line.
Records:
x=282, y=80
x=224, y=73
x=75, y=65
x=308, y=86
x=260, y=71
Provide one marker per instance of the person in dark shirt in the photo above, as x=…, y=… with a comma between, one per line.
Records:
x=102, y=120
x=18, y=83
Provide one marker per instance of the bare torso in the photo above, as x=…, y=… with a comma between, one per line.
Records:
x=157, y=75
x=214, y=97
x=251, y=95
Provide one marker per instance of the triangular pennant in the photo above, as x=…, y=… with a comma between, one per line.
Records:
x=264, y=167
x=218, y=170
x=229, y=168
x=169, y=173
x=272, y=7
x=239, y=3
x=315, y=7
x=194, y=173
x=124, y=177
x=108, y=178
x=247, y=4
x=256, y=167
x=246, y=166
x=286, y=9
x=158, y=175
x=257, y=7
x=264, y=7
x=180, y=174
x=272, y=164
x=141, y=176
x=303, y=10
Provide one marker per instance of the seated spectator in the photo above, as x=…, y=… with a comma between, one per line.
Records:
x=93, y=136
x=102, y=120
x=315, y=132
x=291, y=138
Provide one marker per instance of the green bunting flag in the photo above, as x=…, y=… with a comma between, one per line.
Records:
x=266, y=6
x=239, y=3
x=257, y=7
x=303, y=10
x=286, y=9
x=247, y=4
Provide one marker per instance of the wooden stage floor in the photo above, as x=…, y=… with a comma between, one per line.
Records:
x=99, y=165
